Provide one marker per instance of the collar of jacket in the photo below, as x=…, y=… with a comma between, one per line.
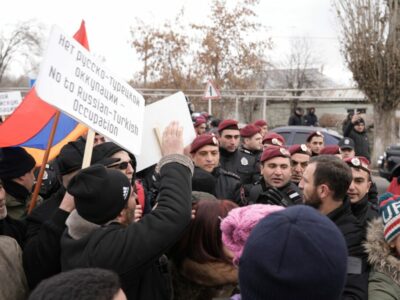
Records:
x=19, y=192
x=225, y=153
x=342, y=210
x=380, y=256
x=78, y=227
x=360, y=207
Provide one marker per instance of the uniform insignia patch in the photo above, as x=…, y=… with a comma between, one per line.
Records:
x=244, y=161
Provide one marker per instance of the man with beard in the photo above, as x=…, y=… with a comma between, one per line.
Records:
x=101, y=231
x=299, y=158
x=362, y=209
x=325, y=183
x=275, y=186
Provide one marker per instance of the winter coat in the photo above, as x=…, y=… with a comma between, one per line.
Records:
x=384, y=280
x=357, y=277
x=311, y=119
x=12, y=278
x=135, y=251
x=228, y=186
x=364, y=211
x=295, y=119
x=207, y=281
x=42, y=251
x=290, y=194
x=229, y=161
x=360, y=140
x=13, y=228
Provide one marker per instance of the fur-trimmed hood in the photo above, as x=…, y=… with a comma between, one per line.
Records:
x=380, y=256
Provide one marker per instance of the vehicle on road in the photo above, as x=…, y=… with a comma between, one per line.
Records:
x=389, y=162
x=298, y=134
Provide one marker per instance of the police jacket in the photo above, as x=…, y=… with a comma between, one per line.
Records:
x=357, y=275
x=228, y=186
x=135, y=252
x=287, y=195
x=364, y=211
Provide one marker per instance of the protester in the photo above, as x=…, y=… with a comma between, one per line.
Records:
x=208, y=175
x=297, y=117
x=295, y=253
x=325, y=183
x=357, y=132
x=263, y=126
x=13, y=284
x=315, y=142
x=202, y=268
x=311, y=119
x=8, y=226
x=275, y=187
x=383, y=248
x=88, y=284
x=46, y=223
x=238, y=224
x=16, y=172
x=362, y=209
x=347, y=148
x=299, y=158
x=101, y=231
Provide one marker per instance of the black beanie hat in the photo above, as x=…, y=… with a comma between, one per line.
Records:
x=71, y=157
x=296, y=253
x=15, y=162
x=100, y=193
x=107, y=149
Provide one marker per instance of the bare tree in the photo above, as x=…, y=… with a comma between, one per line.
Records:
x=22, y=45
x=370, y=44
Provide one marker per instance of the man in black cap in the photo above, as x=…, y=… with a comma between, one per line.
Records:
x=16, y=172
x=46, y=222
x=347, y=148
x=356, y=131
x=101, y=232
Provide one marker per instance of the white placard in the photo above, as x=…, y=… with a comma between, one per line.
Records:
x=9, y=101
x=158, y=115
x=75, y=82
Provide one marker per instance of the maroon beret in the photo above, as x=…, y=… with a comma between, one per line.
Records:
x=330, y=149
x=273, y=138
x=315, y=133
x=274, y=151
x=199, y=121
x=302, y=149
x=358, y=162
x=249, y=130
x=228, y=124
x=203, y=140
x=260, y=123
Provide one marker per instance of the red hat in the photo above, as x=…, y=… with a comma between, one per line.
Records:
x=315, y=133
x=358, y=162
x=199, y=121
x=330, y=149
x=302, y=149
x=228, y=124
x=274, y=151
x=260, y=123
x=249, y=130
x=203, y=140
x=273, y=138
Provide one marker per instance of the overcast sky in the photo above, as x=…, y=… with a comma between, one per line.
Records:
x=108, y=25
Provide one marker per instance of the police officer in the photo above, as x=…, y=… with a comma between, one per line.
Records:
x=229, y=140
x=299, y=158
x=274, y=139
x=275, y=187
x=208, y=175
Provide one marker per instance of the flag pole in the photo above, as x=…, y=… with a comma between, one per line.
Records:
x=39, y=180
x=87, y=156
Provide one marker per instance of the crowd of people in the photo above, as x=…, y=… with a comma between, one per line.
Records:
x=237, y=214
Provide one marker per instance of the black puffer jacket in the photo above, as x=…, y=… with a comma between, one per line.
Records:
x=134, y=252
x=357, y=277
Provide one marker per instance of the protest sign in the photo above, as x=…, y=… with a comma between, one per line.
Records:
x=158, y=115
x=9, y=102
x=75, y=82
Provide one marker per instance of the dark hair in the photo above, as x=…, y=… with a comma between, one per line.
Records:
x=215, y=122
x=202, y=241
x=333, y=172
x=89, y=284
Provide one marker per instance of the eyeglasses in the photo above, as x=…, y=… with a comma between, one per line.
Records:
x=122, y=165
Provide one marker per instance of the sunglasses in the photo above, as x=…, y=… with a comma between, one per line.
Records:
x=122, y=166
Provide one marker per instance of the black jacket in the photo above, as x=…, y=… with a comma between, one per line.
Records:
x=45, y=225
x=360, y=140
x=229, y=161
x=228, y=186
x=287, y=195
x=357, y=277
x=364, y=211
x=13, y=228
x=295, y=119
x=134, y=252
